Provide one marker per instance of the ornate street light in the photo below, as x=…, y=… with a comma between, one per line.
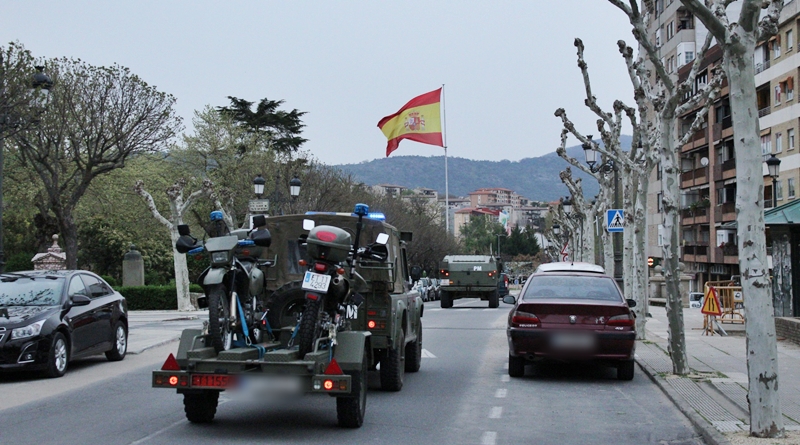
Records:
x=774, y=168
x=294, y=187
x=591, y=158
x=258, y=185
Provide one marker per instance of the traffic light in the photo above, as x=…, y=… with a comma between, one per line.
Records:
x=650, y=261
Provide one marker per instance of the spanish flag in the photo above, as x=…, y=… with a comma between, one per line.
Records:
x=418, y=120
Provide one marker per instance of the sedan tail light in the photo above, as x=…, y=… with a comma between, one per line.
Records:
x=524, y=320
x=621, y=320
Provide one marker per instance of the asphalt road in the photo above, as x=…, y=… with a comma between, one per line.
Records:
x=462, y=395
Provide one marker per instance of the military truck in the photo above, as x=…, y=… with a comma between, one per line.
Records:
x=385, y=329
x=392, y=312
x=469, y=276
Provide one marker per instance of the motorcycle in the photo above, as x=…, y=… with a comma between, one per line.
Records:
x=233, y=284
x=331, y=282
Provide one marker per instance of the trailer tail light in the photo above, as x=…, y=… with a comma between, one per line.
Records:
x=376, y=324
x=524, y=320
x=620, y=320
x=169, y=380
x=171, y=364
x=328, y=385
x=491, y=274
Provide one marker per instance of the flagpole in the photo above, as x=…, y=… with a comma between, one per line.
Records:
x=446, y=185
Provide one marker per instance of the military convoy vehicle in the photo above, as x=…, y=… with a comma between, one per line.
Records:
x=384, y=328
x=469, y=276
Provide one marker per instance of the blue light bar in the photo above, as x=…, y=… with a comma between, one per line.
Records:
x=216, y=215
x=376, y=216
x=361, y=209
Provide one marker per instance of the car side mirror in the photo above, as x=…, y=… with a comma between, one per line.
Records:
x=186, y=243
x=79, y=300
x=631, y=303
x=308, y=224
x=261, y=237
x=509, y=299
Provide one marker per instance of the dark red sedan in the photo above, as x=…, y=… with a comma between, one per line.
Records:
x=573, y=316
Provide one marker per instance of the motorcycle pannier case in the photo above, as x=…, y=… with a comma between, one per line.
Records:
x=328, y=242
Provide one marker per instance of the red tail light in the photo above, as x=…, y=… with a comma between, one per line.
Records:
x=524, y=320
x=491, y=274
x=320, y=267
x=620, y=320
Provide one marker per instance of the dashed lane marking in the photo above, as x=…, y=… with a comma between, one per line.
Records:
x=489, y=438
x=505, y=378
x=496, y=412
x=427, y=354
x=501, y=393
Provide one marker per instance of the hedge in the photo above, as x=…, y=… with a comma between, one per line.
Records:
x=153, y=298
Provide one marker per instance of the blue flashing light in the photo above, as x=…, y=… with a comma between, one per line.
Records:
x=361, y=210
x=321, y=213
x=216, y=215
x=376, y=216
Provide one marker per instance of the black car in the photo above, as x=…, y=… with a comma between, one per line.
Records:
x=50, y=317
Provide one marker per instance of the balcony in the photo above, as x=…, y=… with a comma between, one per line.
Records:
x=764, y=111
x=762, y=66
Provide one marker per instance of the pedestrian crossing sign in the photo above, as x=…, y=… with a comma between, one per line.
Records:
x=615, y=220
x=711, y=304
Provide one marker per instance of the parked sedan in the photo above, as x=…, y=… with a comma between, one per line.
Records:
x=574, y=316
x=49, y=318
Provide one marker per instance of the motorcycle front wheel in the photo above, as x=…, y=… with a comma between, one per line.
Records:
x=219, y=324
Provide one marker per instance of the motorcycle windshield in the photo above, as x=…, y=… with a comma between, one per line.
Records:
x=221, y=243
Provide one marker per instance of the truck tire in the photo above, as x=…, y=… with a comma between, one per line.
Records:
x=285, y=305
x=309, y=331
x=219, y=326
x=516, y=366
x=350, y=409
x=393, y=366
x=201, y=407
x=447, y=300
x=414, y=352
x=494, y=299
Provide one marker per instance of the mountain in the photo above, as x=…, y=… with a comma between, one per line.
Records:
x=534, y=178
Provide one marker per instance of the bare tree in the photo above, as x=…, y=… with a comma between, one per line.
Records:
x=177, y=210
x=95, y=119
x=738, y=41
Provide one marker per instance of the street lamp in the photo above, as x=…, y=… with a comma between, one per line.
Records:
x=591, y=158
x=40, y=81
x=294, y=186
x=774, y=167
x=566, y=204
x=258, y=185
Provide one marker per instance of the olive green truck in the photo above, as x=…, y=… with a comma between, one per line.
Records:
x=469, y=276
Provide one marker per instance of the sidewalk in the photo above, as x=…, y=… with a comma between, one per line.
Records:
x=714, y=396
x=149, y=329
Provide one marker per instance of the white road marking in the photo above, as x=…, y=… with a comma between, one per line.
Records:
x=489, y=438
x=165, y=429
x=496, y=412
x=505, y=377
x=501, y=393
x=427, y=354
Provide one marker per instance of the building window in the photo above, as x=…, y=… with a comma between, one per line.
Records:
x=778, y=189
x=789, y=42
x=670, y=30
x=790, y=136
x=689, y=56
x=789, y=88
x=766, y=146
x=776, y=47
x=790, y=187
x=777, y=94
x=660, y=204
x=778, y=142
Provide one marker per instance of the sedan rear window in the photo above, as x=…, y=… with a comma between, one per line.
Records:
x=27, y=292
x=572, y=288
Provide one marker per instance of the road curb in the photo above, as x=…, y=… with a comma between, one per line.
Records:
x=701, y=425
x=154, y=345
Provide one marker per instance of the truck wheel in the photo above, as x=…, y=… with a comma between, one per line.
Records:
x=494, y=299
x=201, y=408
x=516, y=366
x=350, y=409
x=393, y=366
x=285, y=305
x=308, y=326
x=219, y=325
x=414, y=352
x=447, y=300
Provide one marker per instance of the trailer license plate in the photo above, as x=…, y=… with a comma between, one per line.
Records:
x=316, y=282
x=213, y=381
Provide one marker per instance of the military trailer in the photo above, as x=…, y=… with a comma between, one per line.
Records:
x=469, y=276
x=385, y=328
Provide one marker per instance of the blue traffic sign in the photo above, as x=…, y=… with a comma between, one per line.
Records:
x=615, y=220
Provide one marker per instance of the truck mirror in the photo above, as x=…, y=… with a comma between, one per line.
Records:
x=416, y=273
x=183, y=230
x=261, y=237
x=383, y=238
x=259, y=221
x=405, y=236
x=308, y=224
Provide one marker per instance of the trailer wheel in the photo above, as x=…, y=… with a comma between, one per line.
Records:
x=201, y=407
x=494, y=299
x=393, y=366
x=350, y=409
x=219, y=324
x=447, y=300
x=414, y=352
x=309, y=330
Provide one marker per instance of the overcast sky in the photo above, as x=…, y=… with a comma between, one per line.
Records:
x=506, y=65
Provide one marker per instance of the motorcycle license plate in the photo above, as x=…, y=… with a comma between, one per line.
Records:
x=316, y=282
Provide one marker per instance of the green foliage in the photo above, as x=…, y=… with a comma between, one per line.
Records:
x=18, y=261
x=519, y=242
x=101, y=246
x=480, y=234
x=109, y=279
x=153, y=298
x=275, y=129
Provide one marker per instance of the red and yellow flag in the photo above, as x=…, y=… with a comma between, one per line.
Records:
x=419, y=120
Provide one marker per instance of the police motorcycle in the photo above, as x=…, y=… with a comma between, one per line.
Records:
x=331, y=282
x=233, y=283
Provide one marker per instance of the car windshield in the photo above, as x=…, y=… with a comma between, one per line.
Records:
x=572, y=288
x=28, y=292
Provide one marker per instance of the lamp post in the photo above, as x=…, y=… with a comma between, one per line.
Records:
x=40, y=81
x=258, y=185
x=774, y=168
x=498, y=243
x=607, y=167
x=278, y=197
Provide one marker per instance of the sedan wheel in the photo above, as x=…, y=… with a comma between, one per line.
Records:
x=59, y=356
x=120, y=343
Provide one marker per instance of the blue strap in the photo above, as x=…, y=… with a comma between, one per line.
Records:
x=241, y=314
